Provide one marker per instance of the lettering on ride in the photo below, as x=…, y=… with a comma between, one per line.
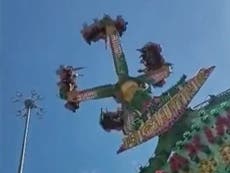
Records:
x=160, y=121
x=146, y=129
x=115, y=45
x=85, y=95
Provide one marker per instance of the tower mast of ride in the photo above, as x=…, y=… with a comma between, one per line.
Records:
x=30, y=104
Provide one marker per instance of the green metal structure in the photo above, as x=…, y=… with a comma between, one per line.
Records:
x=198, y=143
x=141, y=115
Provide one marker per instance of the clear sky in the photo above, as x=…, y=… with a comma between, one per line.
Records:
x=39, y=35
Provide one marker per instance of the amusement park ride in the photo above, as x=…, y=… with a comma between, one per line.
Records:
x=142, y=116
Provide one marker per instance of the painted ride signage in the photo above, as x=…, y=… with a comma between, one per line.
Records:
x=77, y=96
x=168, y=114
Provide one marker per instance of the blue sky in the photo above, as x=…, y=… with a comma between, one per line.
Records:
x=39, y=35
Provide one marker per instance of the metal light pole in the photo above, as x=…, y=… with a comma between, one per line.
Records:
x=30, y=103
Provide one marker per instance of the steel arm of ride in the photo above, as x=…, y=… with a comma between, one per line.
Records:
x=92, y=93
x=155, y=77
x=117, y=52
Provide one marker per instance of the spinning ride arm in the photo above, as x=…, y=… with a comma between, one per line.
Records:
x=110, y=30
x=68, y=88
x=157, y=77
x=117, y=52
x=156, y=68
x=91, y=93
